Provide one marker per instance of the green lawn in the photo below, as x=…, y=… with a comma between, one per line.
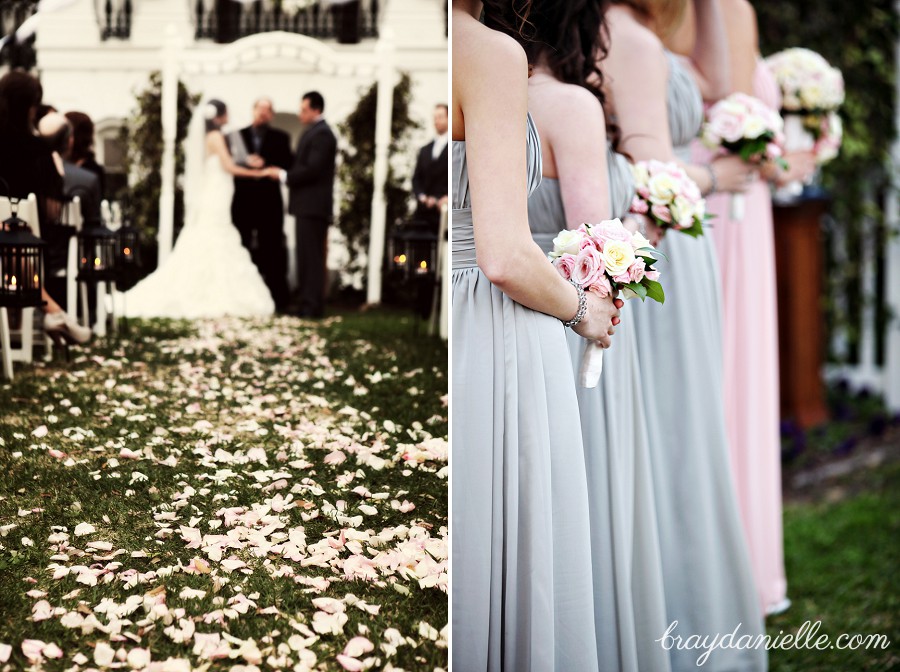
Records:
x=262, y=494
x=842, y=562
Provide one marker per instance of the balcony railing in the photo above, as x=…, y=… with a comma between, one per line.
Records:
x=13, y=14
x=115, y=19
x=226, y=21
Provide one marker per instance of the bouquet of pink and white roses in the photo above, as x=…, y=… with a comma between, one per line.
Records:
x=604, y=258
x=746, y=126
x=665, y=193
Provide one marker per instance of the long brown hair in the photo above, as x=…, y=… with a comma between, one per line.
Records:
x=572, y=38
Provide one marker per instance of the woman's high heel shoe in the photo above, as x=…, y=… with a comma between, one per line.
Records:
x=63, y=329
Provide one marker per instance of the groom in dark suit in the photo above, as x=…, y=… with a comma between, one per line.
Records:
x=311, y=182
x=257, y=209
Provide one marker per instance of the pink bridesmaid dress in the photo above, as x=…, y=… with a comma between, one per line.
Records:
x=746, y=251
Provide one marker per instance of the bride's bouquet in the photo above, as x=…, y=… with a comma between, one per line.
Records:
x=604, y=258
x=745, y=126
x=665, y=194
x=811, y=93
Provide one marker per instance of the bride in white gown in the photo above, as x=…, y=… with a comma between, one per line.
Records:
x=209, y=272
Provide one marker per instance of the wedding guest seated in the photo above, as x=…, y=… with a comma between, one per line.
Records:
x=26, y=167
x=82, y=152
x=77, y=181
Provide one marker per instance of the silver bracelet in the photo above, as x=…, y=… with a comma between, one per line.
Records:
x=713, y=182
x=582, y=306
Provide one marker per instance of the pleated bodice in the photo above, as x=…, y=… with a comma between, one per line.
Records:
x=685, y=107
x=463, y=233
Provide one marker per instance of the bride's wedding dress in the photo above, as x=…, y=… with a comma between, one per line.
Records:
x=209, y=272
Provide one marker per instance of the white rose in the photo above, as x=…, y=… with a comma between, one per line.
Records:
x=640, y=173
x=682, y=211
x=618, y=255
x=754, y=126
x=663, y=188
x=567, y=242
x=639, y=241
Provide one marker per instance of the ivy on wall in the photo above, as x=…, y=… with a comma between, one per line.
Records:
x=357, y=164
x=860, y=39
x=141, y=137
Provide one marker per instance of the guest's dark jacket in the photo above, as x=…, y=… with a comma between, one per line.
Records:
x=86, y=185
x=311, y=178
x=27, y=166
x=262, y=197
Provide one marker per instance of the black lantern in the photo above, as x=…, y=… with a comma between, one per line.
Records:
x=128, y=255
x=21, y=263
x=412, y=254
x=97, y=254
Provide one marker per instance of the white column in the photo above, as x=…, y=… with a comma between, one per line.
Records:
x=169, y=130
x=892, y=260
x=384, y=52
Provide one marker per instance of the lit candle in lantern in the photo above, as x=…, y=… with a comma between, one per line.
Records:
x=423, y=267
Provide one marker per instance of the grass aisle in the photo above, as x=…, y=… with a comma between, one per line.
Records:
x=230, y=495
x=842, y=558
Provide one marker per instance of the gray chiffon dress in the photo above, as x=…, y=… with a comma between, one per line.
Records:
x=708, y=582
x=629, y=600
x=522, y=595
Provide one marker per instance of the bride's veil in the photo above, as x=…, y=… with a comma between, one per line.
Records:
x=194, y=160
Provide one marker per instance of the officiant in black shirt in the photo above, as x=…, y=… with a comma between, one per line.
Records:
x=257, y=209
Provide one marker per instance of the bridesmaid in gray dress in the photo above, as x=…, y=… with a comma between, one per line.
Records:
x=708, y=582
x=521, y=593
x=584, y=180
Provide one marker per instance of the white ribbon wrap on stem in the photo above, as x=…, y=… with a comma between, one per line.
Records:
x=591, y=365
x=737, y=207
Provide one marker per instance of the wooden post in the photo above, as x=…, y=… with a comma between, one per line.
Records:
x=801, y=331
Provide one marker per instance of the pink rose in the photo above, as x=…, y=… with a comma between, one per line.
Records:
x=728, y=127
x=601, y=287
x=651, y=275
x=565, y=264
x=588, y=242
x=589, y=266
x=611, y=230
x=643, y=192
x=637, y=270
x=662, y=212
x=639, y=206
x=623, y=278
x=773, y=151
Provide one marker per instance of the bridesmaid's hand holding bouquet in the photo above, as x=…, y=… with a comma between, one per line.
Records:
x=747, y=127
x=671, y=199
x=605, y=258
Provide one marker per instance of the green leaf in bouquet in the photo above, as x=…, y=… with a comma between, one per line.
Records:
x=638, y=289
x=650, y=253
x=654, y=290
x=695, y=230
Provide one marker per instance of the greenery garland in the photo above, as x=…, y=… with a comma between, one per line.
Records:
x=860, y=40
x=142, y=140
x=357, y=163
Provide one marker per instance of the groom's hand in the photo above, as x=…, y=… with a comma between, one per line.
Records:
x=255, y=161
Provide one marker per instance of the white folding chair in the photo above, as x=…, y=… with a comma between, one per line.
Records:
x=28, y=212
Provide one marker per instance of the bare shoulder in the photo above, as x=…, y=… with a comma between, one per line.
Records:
x=630, y=38
x=741, y=12
x=476, y=46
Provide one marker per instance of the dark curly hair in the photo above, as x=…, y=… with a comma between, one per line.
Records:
x=512, y=17
x=571, y=38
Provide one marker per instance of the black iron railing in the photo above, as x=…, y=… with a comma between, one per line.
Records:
x=115, y=19
x=13, y=14
x=226, y=21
